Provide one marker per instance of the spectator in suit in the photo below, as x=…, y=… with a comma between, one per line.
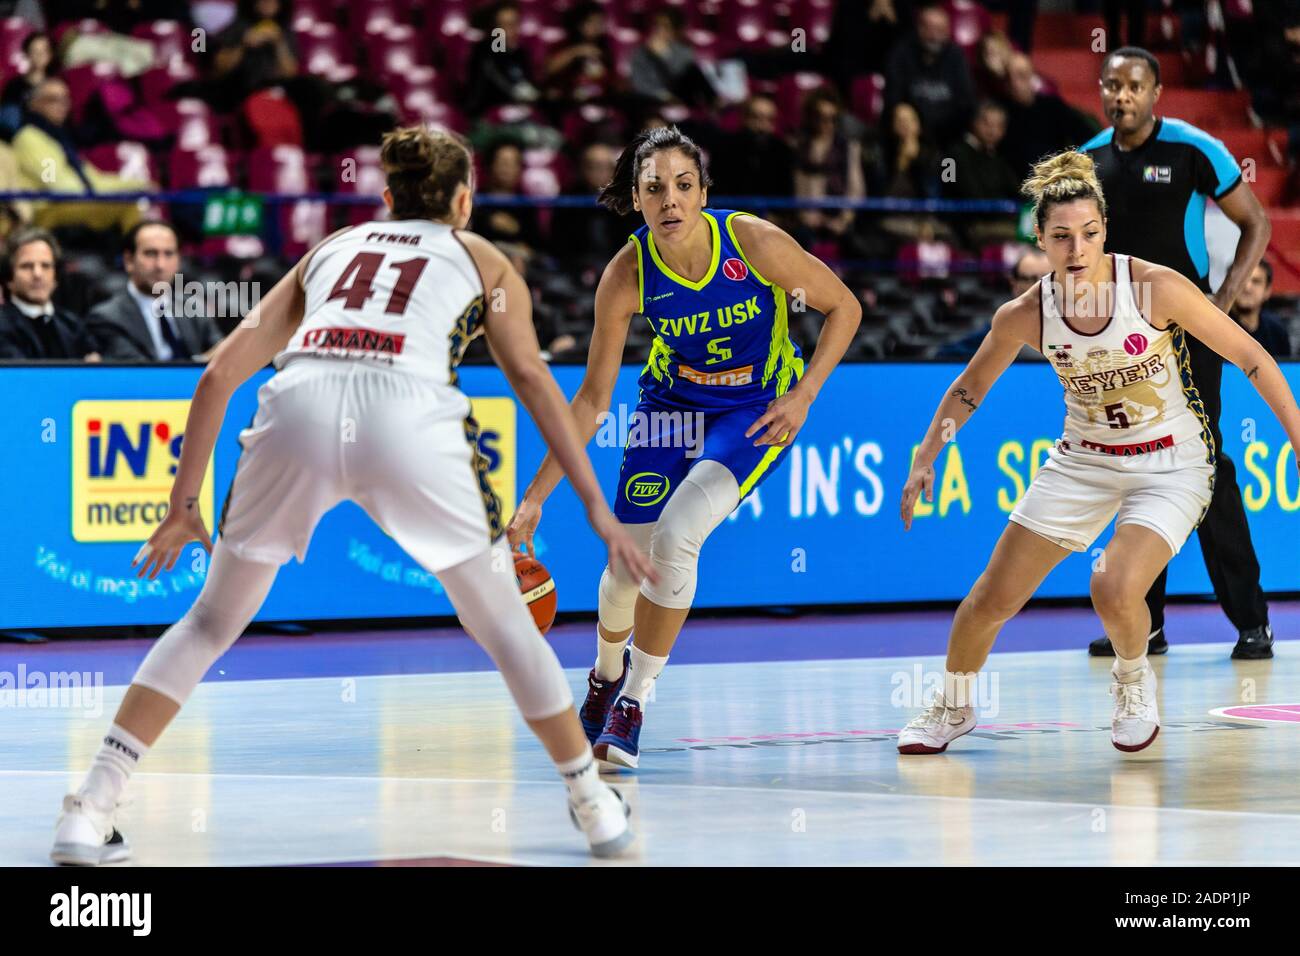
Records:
x=1251, y=315
x=136, y=325
x=30, y=325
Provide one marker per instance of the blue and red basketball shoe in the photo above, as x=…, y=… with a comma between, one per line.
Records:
x=600, y=695
x=617, y=745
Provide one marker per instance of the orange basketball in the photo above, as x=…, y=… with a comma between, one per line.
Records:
x=538, y=588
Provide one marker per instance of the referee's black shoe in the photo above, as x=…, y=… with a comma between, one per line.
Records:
x=1156, y=644
x=1255, y=644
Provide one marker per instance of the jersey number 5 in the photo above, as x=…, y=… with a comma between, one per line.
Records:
x=354, y=285
x=1115, y=415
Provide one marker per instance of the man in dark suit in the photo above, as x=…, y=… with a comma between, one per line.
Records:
x=30, y=326
x=138, y=326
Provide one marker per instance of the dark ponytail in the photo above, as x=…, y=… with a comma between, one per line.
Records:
x=617, y=194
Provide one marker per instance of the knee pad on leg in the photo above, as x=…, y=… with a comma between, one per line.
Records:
x=179, y=659
x=616, y=600
x=233, y=592
x=707, y=495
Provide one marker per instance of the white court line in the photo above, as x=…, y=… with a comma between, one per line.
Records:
x=874, y=797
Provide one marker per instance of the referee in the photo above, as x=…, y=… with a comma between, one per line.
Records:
x=1156, y=173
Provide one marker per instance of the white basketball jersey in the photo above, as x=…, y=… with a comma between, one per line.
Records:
x=1128, y=387
x=401, y=293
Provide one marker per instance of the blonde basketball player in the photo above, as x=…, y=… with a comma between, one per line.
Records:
x=366, y=333
x=1136, y=445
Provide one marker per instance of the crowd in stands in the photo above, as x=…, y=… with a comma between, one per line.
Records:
x=872, y=99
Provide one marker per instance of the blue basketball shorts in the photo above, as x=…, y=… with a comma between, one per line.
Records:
x=663, y=444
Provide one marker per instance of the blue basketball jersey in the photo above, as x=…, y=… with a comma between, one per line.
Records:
x=719, y=343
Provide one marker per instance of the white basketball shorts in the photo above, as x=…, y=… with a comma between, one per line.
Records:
x=329, y=430
x=1077, y=492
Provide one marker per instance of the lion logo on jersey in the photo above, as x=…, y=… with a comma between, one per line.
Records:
x=1140, y=401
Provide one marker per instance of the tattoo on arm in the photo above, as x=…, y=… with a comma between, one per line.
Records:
x=1253, y=371
x=191, y=503
x=965, y=399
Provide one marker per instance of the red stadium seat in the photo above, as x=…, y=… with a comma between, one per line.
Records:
x=156, y=83
x=322, y=49
x=790, y=92
x=392, y=49
x=129, y=160
x=84, y=80
x=283, y=169
x=13, y=31
x=193, y=122
x=970, y=21
x=362, y=175
x=307, y=12
x=169, y=38
x=925, y=260
x=867, y=98
x=272, y=119
x=204, y=168
x=374, y=17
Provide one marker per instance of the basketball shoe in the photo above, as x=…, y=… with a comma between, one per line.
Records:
x=85, y=835
x=600, y=694
x=617, y=743
x=1136, y=721
x=932, y=731
x=603, y=819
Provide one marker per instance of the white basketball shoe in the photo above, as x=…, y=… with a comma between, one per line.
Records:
x=932, y=731
x=1136, y=720
x=86, y=835
x=603, y=819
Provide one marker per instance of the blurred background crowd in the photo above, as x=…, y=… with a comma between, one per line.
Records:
x=793, y=102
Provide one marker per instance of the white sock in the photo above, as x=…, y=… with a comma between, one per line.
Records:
x=580, y=776
x=609, y=657
x=959, y=688
x=642, y=674
x=112, y=767
x=1125, y=668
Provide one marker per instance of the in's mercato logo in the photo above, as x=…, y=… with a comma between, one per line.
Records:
x=496, y=442
x=124, y=458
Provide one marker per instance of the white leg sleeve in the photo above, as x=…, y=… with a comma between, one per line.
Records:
x=617, y=597
x=231, y=595
x=493, y=611
x=707, y=495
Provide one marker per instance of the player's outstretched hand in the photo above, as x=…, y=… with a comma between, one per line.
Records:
x=181, y=526
x=623, y=551
x=523, y=525
x=921, y=479
x=783, y=419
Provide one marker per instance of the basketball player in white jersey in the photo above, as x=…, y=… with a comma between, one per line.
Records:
x=366, y=332
x=1136, y=445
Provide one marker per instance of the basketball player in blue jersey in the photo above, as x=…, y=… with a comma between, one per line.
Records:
x=722, y=398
